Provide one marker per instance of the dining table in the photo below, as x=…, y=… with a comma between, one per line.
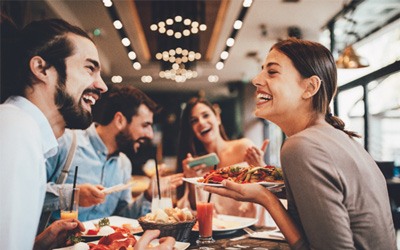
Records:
x=239, y=239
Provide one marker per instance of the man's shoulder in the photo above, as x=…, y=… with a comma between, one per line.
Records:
x=14, y=118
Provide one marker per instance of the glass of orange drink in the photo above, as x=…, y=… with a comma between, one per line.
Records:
x=69, y=202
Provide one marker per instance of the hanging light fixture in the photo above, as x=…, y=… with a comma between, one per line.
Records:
x=350, y=60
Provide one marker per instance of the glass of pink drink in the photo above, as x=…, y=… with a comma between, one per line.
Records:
x=204, y=217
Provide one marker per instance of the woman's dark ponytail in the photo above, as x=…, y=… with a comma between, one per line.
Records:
x=337, y=123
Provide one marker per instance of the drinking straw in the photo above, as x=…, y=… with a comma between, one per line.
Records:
x=209, y=195
x=158, y=177
x=73, y=189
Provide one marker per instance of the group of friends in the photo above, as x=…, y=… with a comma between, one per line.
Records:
x=337, y=197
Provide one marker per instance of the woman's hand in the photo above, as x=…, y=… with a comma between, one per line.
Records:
x=241, y=192
x=166, y=243
x=188, y=171
x=255, y=156
x=175, y=180
x=56, y=234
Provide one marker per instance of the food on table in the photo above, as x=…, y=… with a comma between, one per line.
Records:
x=81, y=246
x=115, y=241
x=103, y=227
x=169, y=215
x=106, y=230
x=240, y=174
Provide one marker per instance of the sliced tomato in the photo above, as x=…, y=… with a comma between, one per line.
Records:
x=217, y=179
x=92, y=232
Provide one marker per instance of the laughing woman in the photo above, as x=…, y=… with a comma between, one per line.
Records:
x=201, y=132
x=337, y=196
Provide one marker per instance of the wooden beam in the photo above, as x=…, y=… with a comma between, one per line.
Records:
x=144, y=46
x=217, y=29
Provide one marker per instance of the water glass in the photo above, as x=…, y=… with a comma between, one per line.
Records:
x=163, y=201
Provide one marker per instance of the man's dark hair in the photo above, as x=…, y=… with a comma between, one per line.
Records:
x=121, y=98
x=47, y=39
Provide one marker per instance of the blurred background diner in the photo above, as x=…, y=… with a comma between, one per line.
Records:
x=175, y=50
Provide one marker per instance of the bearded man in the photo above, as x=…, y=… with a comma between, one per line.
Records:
x=53, y=79
x=124, y=120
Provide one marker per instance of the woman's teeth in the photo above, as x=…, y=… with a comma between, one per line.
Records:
x=204, y=131
x=264, y=97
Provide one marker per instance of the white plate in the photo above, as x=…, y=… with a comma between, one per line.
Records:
x=178, y=245
x=238, y=223
x=269, y=185
x=117, y=221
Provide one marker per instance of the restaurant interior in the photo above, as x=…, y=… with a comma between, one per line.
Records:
x=174, y=50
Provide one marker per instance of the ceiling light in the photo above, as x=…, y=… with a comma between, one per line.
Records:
x=194, y=30
x=187, y=21
x=237, y=25
x=203, y=27
x=116, y=79
x=159, y=56
x=146, y=79
x=195, y=24
x=153, y=27
x=161, y=24
x=132, y=55
x=162, y=30
x=107, y=3
x=213, y=78
x=178, y=35
x=126, y=42
x=219, y=65
x=137, y=66
x=247, y=3
x=224, y=55
x=230, y=42
x=117, y=24
x=178, y=19
x=198, y=56
x=169, y=21
x=170, y=32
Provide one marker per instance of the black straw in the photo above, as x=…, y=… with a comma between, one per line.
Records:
x=158, y=177
x=73, y=189
x=209, y=195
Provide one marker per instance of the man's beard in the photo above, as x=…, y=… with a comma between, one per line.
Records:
x=75, y=116
x=125, y=141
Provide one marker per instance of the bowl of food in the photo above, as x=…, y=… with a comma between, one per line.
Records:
x=173, y=222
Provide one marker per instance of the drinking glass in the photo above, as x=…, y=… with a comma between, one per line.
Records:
x=69, y=202
x=163, y=201
x=204, y=216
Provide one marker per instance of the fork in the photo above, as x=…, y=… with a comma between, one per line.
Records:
x=248, y=230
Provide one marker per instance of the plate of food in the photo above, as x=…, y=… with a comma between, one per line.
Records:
x=268, y=176
x=227, y=223
x=118, y=241
x=103, y=227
